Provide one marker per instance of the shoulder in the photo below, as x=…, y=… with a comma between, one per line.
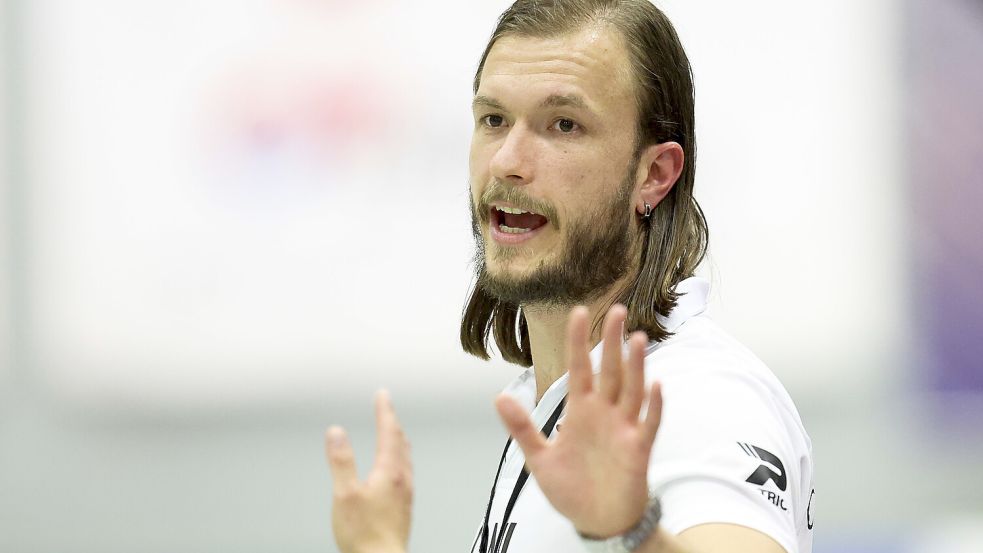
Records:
x=706, y=366
x=716, y=387
x=731, y=447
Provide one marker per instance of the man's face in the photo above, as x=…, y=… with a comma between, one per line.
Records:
x=554, y=137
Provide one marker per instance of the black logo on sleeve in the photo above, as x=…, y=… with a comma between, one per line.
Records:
x=809, y=520
x=764, y=473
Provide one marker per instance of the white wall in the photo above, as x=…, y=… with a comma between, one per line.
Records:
x=799, y=171
x=5, y=354
x=239, y=202
x=261, y=200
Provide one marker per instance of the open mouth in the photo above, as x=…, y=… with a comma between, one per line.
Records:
x=512, y=220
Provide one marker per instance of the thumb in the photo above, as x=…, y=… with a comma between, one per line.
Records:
x=341, y=459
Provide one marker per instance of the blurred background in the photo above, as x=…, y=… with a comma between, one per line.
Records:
x=209, y=251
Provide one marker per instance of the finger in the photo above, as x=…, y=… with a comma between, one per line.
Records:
x=578, y=359
x=341, y=459
x=633, y=390
x=611, y=359
x=520, y=426
x=654, y=415
x=389, y=435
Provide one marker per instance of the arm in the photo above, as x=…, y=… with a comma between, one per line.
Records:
x=604, y=443
x=722, y=537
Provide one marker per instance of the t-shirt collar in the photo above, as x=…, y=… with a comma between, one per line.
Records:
x=693, y=294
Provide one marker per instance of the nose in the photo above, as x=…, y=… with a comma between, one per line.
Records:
x=512, y=162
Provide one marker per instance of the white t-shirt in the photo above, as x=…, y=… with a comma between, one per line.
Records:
x=730, y=449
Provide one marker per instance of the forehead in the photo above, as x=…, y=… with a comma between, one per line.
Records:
x=591, y=62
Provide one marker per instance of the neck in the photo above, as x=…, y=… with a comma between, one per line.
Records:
x=548, y=336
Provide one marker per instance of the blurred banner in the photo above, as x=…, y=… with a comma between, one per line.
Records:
x=945, y=163
x=234, y=201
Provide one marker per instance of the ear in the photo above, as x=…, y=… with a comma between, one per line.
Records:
x=659, y=167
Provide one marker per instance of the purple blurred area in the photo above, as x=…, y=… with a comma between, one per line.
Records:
x=945, y=164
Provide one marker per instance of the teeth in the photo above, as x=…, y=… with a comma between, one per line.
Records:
x=513, y=230
x=512, y=210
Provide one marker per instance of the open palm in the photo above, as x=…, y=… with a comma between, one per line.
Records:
x=594, y=471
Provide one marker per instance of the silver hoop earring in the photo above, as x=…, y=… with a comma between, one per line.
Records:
x=648, y=212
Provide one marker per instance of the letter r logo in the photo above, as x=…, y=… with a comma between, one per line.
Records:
x=764, y=473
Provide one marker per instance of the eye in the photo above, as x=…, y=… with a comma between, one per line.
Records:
x=566, y=126
x=494, y=121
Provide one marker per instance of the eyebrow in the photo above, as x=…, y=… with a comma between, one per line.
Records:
x=487, y=102
x=564, y=100
x=551, y=101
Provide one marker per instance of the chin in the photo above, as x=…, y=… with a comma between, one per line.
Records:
x=502, y=268
x=509, y=269
x=511, y=259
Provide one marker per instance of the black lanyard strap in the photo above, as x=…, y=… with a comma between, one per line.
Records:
x=519, y=484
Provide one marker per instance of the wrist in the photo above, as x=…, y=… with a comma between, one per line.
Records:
x=612, y=522
x=600, y=535
x=631, y=539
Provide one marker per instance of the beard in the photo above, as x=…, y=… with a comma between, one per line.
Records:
x=594, y=257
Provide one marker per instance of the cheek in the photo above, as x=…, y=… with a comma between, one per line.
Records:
x=472, y=158
x=583, y=184
x=476, y=174
x=479, y=156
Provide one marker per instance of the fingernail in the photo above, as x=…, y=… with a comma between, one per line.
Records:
x=336, y=436
x=383, y=394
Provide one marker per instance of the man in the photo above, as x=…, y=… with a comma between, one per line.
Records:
x=582, y=171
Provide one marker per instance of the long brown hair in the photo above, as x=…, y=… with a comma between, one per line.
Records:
x=675, y=237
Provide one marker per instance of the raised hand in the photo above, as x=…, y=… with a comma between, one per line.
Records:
x=594, y=471
x=372, y=516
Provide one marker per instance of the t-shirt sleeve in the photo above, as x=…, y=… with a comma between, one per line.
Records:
x=725, y=452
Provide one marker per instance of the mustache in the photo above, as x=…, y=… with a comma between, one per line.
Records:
x=497, y=192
